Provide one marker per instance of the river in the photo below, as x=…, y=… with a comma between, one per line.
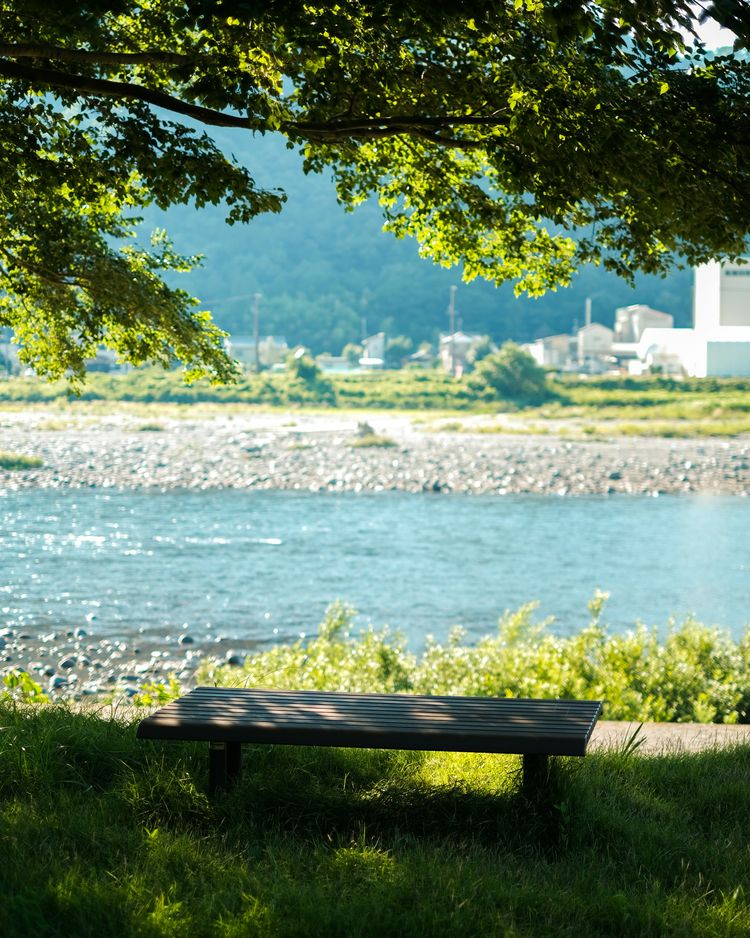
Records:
x=260, y=567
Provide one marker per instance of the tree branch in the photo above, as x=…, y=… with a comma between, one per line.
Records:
x=367, y=127
x=25, y=50
x=115, y=89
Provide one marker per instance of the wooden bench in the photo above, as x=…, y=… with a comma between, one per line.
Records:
x=226, y=717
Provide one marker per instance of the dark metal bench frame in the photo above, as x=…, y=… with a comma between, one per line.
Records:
x=228, y=717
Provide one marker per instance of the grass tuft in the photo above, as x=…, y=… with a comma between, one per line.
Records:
x=372, y=440
x=18, y=461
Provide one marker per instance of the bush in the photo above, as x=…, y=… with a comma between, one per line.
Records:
x=17, y=461
x=513, y=374
x=696, y=674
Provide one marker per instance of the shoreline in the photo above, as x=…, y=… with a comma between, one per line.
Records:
x=323, y=453
x=314, y=453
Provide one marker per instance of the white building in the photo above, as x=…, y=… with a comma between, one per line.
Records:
x=10, y=363
x=594, y=341
x=374, y=352
x=553, y=351
x=454, y=351
x=272, y=350
x=718, y=345
x=632, y=321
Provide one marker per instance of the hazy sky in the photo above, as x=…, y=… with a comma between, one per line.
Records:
x=713, y=35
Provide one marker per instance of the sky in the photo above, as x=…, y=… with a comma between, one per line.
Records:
x=713, y=35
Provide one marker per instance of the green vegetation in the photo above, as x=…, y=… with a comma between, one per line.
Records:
x=584, y=409
x=513, y=375
x=376, y=440
x=17, y=461
x=108, y=837
x=487, y=134
x=695, y=674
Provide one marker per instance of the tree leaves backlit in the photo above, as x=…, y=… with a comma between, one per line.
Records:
x=489, y=132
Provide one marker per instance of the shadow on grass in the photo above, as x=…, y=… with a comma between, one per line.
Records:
x=338, y=793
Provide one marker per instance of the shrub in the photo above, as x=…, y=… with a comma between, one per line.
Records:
x=513, y=374
x=695, y=674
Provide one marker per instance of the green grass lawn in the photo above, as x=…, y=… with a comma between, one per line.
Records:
x=103, y=835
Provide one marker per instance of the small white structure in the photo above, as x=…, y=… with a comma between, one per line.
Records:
x=272, y=350
x=454, y=351
x=594, y=341
x=374, y=352
x=553, y=351
x=632, y=321
x=10, y=363
x=335, y=363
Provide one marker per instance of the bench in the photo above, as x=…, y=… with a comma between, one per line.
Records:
x=227, y=717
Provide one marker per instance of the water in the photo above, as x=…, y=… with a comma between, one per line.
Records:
x=262, y=567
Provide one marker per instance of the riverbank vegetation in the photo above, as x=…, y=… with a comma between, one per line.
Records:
x=694, y=673
x=104, y=835
x=12, y=462
x=573, y=407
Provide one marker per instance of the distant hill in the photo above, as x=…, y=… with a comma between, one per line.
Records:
x=320, y=270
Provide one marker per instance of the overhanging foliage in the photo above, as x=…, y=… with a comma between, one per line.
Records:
x=488, y=131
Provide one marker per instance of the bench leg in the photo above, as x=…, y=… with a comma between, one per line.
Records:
x=217, y=768
x=224, y=766
x=535, y=772
x=234, y=763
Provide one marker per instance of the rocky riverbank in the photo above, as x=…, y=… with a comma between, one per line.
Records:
x=307, y=452
x=319, y=453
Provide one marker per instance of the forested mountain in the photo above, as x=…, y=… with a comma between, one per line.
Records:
x=320, y=270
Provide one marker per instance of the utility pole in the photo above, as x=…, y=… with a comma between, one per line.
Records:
x=452, y=321
x=256, y=329
x=588, y=310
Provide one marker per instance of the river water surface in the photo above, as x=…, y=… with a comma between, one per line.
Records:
x=262, y=566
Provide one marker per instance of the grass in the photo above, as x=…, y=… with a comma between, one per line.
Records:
x=13, y=462
x=376, y=440
x=595, y=407
x=103, y=835
x=107, y=836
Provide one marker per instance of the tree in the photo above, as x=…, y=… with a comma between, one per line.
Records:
x=513, y=374
x=488, y=132
x=481, y=349
x=352, y=352
x=396, y=350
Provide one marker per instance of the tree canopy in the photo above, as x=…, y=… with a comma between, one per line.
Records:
x=489, y=132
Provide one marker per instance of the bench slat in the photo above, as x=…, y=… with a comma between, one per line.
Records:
x=393, y=721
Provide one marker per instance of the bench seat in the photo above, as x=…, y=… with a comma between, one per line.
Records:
x=226, y=717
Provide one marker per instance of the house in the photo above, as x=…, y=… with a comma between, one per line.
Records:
x=632, y=321
x=374, y=352
x=454, y=351
x=272, y=350
x=9, y=360
x=553, y=351
x=594, y=342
